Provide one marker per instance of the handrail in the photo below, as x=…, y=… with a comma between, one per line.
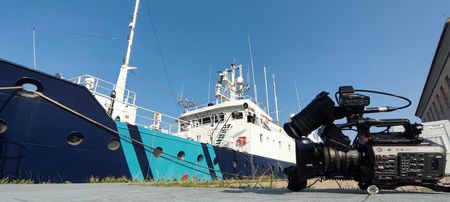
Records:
x=225, y=123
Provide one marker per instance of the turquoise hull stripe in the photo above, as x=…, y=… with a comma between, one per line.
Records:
x=168, y=168
x=212, y=153
x=130, y=153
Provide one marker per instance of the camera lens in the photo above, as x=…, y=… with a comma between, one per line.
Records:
x=336, y=161
x=318, y=112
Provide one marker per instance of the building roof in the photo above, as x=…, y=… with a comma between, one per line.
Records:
x=440, y=58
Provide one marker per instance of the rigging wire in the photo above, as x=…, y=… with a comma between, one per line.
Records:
x=83, y=34
x=160, y=51
x=192, y=37
x=165, y=90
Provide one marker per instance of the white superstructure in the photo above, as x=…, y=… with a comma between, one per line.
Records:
x=236, y=122
x=233, y=121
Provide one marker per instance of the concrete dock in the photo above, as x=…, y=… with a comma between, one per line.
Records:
x=130, y=192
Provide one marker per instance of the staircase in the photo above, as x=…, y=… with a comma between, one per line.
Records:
x=221, y=134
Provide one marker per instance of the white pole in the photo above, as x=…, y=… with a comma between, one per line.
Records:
x=209, y=83
x=275, y=95
x=267, y=94
x=122, y=79
x=34, y=47
x=298, y=99
x=253, y=70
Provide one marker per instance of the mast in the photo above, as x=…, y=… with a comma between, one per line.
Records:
x=275, y=95
x=34, y=47
x=253, y=70
x=122, y=79
x=209, y=84
x=267, y=94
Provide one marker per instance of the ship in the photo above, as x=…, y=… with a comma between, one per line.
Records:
x=60, y=130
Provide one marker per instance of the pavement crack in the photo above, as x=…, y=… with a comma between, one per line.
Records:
x=18, y=199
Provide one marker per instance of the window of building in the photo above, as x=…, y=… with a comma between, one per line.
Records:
x=447, y=103
x=447, y=80
x=436, y=111
x=438, y=99
x=433, y=118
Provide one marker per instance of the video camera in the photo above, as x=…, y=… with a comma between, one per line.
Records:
x=383, y=159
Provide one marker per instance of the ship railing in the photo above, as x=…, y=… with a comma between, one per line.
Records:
x=146, y=117
x=218, y=102
x=97, y=85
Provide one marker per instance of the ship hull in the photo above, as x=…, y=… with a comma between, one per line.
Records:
x=45, y=143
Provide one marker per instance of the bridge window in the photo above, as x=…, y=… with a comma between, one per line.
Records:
x=237, y=115
x=261, y=137
x=251, y=119
x=206, y=120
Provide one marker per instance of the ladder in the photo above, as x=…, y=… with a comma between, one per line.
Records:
x=222, y=133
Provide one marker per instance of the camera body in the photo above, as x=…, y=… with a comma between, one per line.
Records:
x=384, y=159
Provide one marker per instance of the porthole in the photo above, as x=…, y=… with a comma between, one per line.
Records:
x=30, y=87
x=3, y=127
x=199, y=158
x=75, y=138
x=113, y=144
x=181, y=155
x=157, y=152
x=216, y=161
x=234, y=163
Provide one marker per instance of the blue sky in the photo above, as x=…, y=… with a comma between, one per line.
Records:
x=379, y=45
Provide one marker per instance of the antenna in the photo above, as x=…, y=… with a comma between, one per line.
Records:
x=267, y=94
x=34, y=46
x=298, y=100
x=275, y=95
x=253, y=70
x=185, y=103
x=122, y=79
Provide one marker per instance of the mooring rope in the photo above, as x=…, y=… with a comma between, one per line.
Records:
x=110, y=130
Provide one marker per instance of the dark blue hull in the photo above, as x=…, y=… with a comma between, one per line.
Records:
x=38, y=143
